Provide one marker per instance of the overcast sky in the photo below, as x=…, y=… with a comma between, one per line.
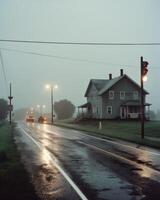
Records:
x=77, y=21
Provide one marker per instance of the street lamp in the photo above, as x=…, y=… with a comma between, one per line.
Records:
x=51, y=87
x=40, y=108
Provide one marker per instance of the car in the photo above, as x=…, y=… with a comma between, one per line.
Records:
x=30, y=118
x=42, y=120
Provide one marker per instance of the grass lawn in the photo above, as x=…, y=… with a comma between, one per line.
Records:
x=14, y=180
x=125, y=130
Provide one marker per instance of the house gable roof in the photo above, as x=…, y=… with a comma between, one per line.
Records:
x=103, y=85
x=109, y=84
x=98, y=83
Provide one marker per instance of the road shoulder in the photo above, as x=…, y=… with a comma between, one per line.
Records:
x=122, y=137
x=15, y=182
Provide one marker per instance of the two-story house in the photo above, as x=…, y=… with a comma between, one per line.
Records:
x=114, y=98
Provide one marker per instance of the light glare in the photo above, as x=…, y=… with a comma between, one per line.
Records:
x=144, y=78
x=48, y=86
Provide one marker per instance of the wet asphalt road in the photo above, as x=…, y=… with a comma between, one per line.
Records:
x=67, y=164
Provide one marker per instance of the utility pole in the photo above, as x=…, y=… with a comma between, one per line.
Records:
x=144, y=71
x=10, y=104
x=142, y=101
x=52, y=104
x=51, y=87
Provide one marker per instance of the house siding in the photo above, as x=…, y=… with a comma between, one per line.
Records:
x=123, y=85
x=95, y=101
x=99, y=103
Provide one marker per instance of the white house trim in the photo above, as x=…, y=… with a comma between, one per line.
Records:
x=111, y=94
x=122, y=95
x=109, y=110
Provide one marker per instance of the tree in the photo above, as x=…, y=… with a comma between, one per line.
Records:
x=64, y=109
x=152, y=115
x=3, y=109
x=158, y=114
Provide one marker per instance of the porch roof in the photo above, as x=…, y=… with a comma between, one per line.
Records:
x=134, y=103
x=86, y=105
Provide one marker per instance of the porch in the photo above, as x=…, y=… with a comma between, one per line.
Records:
x=132, y=110
x=85, y=111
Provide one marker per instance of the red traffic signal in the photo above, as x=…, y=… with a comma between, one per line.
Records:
x=144, y=68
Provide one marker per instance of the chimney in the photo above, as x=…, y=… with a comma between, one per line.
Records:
x=121, y=72
x=110, y=76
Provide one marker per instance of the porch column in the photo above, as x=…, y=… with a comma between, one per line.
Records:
x=127, y=112
x=149, y=112
x=82, y=112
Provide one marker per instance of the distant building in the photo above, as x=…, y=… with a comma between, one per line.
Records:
x=113, y=98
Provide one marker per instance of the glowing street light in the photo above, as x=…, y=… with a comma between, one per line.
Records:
x=44, y=106
x=48, y=86
x=40, y=108
x=145, y=78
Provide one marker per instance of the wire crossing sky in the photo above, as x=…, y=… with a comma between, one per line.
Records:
x=70, y=42
x=3, y=71
x=83, y=43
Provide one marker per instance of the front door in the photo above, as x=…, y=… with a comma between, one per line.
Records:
x=123, y=113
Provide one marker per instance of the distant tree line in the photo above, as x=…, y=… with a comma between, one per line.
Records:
x=64, y=109
x=3, y=109
x=154, y=115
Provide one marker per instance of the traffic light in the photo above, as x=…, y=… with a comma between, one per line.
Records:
x=144, y=70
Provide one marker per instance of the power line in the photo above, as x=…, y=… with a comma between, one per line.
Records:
x=65, y=58
x=3, y=70
x=83, y=43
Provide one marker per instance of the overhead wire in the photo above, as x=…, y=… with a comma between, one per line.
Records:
x=65, y=57
x=83, y=43
x=4, y=72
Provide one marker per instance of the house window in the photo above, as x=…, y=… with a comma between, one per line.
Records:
x=109, y=110
x=111, y=94
x=135, y=95
x=122, y=95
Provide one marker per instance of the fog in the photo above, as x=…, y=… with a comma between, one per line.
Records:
x=71, y=67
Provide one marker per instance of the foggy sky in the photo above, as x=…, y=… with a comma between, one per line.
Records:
x=77, y=21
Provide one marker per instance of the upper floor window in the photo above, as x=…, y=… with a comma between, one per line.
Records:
x=109, y=110
x=135, y=95
x=122, y=95
x=111, y=94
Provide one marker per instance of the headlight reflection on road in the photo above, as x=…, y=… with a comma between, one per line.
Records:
x=146, y=172
x=48, y=143
x=45, y=156
x=144, y=157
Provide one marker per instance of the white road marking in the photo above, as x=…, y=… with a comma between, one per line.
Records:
x=113, y=142
x=105, y=140
x=150, y=171
x=70, y=181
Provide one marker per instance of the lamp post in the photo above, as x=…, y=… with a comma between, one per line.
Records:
x=51, y=87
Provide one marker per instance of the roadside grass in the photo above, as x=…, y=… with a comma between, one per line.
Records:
x=5, y=138
x=124, y=130
x=14, y=180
